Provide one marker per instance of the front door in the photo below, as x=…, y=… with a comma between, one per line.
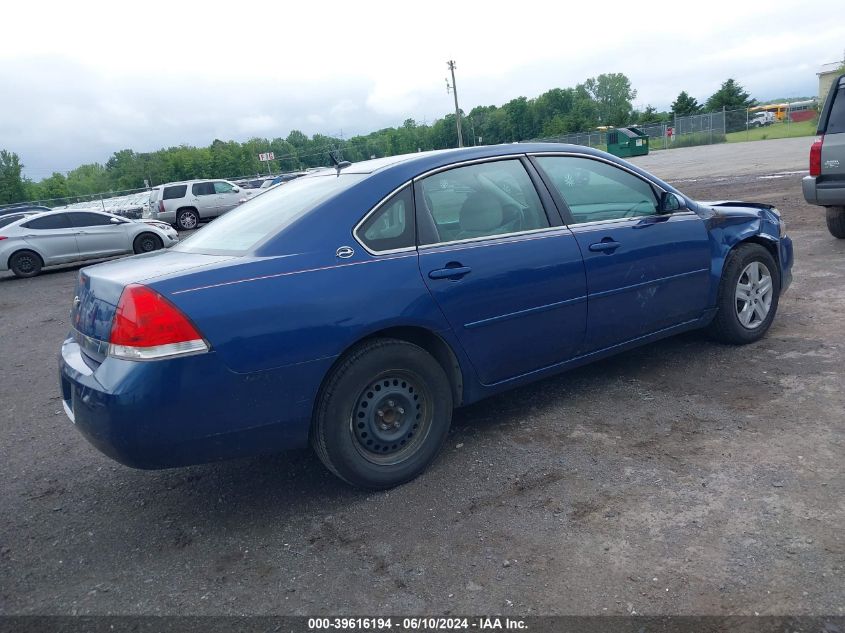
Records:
x=510, y=284
x=646, y=270
x=98, y=236
x=227, y=197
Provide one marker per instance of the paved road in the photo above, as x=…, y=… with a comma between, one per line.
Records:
x=729, y=159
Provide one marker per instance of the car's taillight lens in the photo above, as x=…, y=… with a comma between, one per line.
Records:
x=147, y=327
x=816, y=157
x=161, y=206
x=3, y=237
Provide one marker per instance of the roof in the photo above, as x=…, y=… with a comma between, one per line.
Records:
x=832, y=67
x=421, y=161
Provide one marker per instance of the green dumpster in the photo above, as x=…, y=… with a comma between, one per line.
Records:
x=627, y=141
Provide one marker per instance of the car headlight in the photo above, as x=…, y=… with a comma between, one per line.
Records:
x=782, y=224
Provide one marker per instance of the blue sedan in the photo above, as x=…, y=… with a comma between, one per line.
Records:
x=356, y=307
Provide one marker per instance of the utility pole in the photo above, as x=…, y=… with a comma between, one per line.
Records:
x=454, y=89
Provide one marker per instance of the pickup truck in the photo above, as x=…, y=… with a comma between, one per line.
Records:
x=825, y=186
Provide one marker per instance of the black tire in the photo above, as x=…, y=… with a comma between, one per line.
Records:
x=408, y=388
x=187, y=219
x=726, y=326
x=147, y=243
x=836, y=221
x=25, y=264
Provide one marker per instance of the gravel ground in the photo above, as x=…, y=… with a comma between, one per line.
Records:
x=686, y=477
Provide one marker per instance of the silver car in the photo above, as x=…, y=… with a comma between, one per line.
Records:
x=185, y=204
x=57, y=237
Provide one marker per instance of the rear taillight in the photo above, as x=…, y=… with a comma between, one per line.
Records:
x=147, y=327
x=161, y=206
x=3, y=237
x=816, y=157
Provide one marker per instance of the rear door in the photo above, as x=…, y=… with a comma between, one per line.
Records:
x=507, y=276
x=52, y=236
x=98, y=236
x=646, y=271
x=205, y=199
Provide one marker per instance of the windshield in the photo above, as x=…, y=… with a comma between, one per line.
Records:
x=263, y=216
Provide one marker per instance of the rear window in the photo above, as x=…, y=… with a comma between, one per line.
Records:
x=176, y=191
x=836, y=120
x=155, y=194
x=264, y=216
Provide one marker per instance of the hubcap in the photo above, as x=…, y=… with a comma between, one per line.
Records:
x=391, y=418
x=754, y=293
x=26, y=264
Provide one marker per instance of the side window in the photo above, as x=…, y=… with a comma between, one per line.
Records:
x=222, y=187
x=45, y=222
x=595, y=191
x=88, y=219
x=202, y=188
x=392, y=225
x=482, y=200
x=8, y=219
x=177, y=191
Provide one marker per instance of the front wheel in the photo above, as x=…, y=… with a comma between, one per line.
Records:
x=836, y=221
x=383, y=414
x=146, y=243
x=748, y=295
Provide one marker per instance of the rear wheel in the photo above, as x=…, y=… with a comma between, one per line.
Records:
x=25, y=264
x=748, y=295
x=187, y=219
x=836, y=221
x=146, y=243
x=383, y=414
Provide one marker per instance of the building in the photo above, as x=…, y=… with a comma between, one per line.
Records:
x=827, y=73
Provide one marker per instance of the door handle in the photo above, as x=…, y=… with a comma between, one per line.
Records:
x=607, y=245
x=450, y=272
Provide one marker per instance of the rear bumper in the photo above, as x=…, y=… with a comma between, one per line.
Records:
x=825, y=194
x=187, y=410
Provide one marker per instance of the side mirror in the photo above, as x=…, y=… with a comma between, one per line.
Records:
x=115, y=220
x=671, y=202
x=236, y=189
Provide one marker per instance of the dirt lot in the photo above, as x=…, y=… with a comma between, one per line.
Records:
x=683, y=478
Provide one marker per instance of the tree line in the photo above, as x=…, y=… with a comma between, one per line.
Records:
x=603, y=100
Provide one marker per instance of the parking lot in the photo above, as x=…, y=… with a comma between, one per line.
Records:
x=686, y=477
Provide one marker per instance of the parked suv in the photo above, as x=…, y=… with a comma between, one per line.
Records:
x=186, y=204
x=825, y=186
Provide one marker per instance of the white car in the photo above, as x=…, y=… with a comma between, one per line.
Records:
x=761, y=118
x=185, y=204
x=59, y=237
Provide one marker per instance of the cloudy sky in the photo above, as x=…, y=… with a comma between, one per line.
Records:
x=84, y=79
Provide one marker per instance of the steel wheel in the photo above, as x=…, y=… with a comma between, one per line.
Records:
x=26, y=263
x=754, y=293
x=392, y=417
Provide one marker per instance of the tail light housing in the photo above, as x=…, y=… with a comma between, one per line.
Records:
x=149, y=327
x=161, y=206
x=3, y=237
x=816, y=156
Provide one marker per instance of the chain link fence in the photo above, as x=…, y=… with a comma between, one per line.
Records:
x=785, y=120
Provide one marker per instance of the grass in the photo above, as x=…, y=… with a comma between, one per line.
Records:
x=775, y=130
